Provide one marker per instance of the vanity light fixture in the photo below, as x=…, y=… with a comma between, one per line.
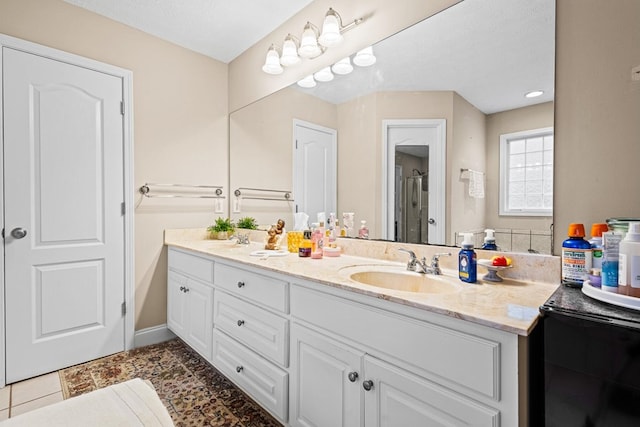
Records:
x=364, y=57
x=309, y=47
x=289, y=52
x=272, y=62
x=533, y=94
x=307, y=82
x=312, y=44
x=342, y=67
x=324, y=75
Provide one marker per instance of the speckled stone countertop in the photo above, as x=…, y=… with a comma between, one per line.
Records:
x=511, y=305
x=572, y=300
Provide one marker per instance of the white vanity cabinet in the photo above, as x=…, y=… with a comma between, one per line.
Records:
x=251, y=334
x=190, y=300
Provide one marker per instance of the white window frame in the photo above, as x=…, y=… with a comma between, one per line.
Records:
x=504, y=172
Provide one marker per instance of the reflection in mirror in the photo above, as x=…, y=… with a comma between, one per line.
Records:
x=469, y=66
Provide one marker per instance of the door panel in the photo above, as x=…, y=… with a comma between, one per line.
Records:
x=64, y=280
x=315, y=169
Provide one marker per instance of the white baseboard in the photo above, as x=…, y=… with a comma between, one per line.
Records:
x=153, y=335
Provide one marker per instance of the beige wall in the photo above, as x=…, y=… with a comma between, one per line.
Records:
x=180, y=125
x=262, y=148
x=597, y=113
x=521, y=119
x=247, y=82
x=467, y=150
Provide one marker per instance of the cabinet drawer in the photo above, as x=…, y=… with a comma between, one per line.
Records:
x=192, y=265
x=264, y=290
x=451, y=357
x=257, y=328
x=264, y=382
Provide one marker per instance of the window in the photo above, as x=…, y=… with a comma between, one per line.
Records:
x=526, y=173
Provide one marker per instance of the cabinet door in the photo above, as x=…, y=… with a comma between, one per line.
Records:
x=395, y=397
x=200, y=317
x=176, y=304
x=326, y=381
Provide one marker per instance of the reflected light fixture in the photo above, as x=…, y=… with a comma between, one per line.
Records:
x=342, y=67
x=364, y=57
x=307, y=82
x=289, y=52
x=272, y=62
x=533, y=94
x=324, y=75
x=309, y=47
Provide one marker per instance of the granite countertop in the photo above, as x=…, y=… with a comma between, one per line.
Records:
x=511, y=305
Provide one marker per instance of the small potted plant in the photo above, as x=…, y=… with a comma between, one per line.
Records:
x=221, y=229
x=247, y=223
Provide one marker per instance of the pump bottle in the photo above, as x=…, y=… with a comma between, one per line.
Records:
x=629, y=262
x=489, y=240
x=467, y=260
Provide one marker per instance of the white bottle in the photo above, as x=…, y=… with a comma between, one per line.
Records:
x=629, y=262
x=363, y=233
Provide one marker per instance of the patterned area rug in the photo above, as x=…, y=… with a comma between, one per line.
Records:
x=193, y=391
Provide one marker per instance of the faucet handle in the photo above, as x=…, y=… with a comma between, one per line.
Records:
x=413, y=260
x=410, y=252
x=436, y=257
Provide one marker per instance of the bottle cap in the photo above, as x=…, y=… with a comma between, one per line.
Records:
x=467, y=243
x=598, y=228
x=634, y=232
x=490, y=237
x=576, y=230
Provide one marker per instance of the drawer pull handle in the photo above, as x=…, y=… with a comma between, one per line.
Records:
x=353, y=376
x=239, y=369
x=241, y=284
x=240, y=322
x=367, y=385
x=184, y=289
x=181, y=288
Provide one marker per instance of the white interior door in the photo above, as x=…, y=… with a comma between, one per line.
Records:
x=427, y=132
x=64, y=225
x=315, y=169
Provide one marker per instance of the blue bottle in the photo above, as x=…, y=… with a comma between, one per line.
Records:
x=576, y=257
x=467, y=260
x=489, y=241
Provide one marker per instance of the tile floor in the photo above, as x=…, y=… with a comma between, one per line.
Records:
x=18, y=398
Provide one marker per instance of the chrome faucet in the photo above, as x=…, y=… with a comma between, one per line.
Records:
x=242, y=239
x=420, y=266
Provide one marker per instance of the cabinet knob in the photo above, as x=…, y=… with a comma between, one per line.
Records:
x=241, y=284
x=367, y=385
x=240, y=322
x=353, y=376
x=239, y=368
x=186, y=289
x=181, y=288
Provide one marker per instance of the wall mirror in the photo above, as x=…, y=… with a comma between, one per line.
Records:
x=418, y=132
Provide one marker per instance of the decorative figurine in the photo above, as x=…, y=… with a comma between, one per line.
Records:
x=273, y=239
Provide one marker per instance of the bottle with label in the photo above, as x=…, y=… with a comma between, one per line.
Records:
x=610, y=260
x=489, y=240
x=467, y=260
x=304, y=250
x=576, y=257
x=363, y=233
x=629, y=262
x=596, y=243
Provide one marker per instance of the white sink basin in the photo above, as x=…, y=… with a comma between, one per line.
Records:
x=399, y=279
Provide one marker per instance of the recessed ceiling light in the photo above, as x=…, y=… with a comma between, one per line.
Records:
x=533, y=94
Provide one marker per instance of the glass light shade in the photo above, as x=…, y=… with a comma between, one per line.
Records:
x=324, y=75
x=365, y=57
x=272, y=62
x=309, y=43
x=289, y=53
x=330, y=30
x=342, y=67
x=307, y=82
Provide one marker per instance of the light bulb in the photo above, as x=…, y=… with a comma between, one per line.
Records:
x=330, y=30
x=365, y=57
x=324, y=75
x=272, y=62
x=343, y=66
x=289, y=52
x=307, y=82
x=309, y=43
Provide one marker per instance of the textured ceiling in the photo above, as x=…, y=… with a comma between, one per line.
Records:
x=221, y=29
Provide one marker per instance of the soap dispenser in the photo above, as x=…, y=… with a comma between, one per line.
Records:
x=489, y=240
x=467, y=260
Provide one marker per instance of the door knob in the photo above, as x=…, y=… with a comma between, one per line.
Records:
x=367, y=385
x=18, y=233
x=431, y=221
